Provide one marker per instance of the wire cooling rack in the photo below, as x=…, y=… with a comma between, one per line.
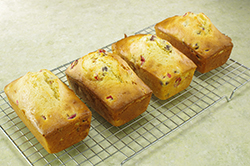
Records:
x=124, y=142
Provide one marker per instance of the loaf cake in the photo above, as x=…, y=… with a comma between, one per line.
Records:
x=109, y=86
x=49, y=109
x=196, y=37
x=161, y=66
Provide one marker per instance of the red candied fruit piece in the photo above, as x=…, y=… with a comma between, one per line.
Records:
x=142, y=60
x=177, y=81
x=186, y=14
x=73, y=64
x=168, y=75
x=72, y=116
x=110, y=97
x=17, y=102
x=96, y=77
x=102, y=51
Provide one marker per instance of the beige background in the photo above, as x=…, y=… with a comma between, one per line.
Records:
x=45, y=34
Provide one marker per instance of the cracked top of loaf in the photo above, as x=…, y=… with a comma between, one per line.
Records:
x=109, y=77
x=196, y=31
x=45, y=101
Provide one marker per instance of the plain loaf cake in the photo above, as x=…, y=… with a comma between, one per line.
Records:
x=50, y=110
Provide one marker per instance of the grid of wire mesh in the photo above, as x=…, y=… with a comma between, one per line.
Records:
x=105, y=140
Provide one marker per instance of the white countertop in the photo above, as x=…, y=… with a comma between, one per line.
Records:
x=46, y=34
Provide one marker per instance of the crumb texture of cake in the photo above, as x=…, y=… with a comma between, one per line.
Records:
x=109, y=86
x=50, y=110
x=161, y=66
x=196, y=37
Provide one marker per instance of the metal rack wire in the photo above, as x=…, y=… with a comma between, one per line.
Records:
x=124, y=142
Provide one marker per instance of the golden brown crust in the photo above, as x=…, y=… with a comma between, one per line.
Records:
x=162, y=67
x=196, y=37
x=109, y=86
x=51, y=111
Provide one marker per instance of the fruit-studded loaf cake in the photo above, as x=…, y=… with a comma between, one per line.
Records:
x=196, y=37
x=50, y=110
x=109, y=86
x=162, y=67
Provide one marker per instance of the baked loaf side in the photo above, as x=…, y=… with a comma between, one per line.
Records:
x=196, y=37
x=162, y=67
x=50, y=110
x=109, y=86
